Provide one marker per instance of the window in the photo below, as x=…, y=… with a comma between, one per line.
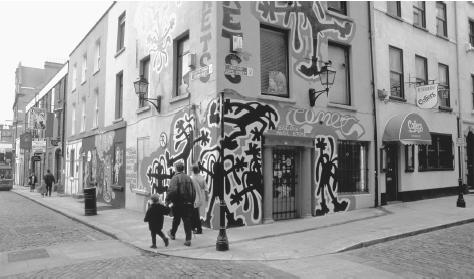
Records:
x=421, y=70
x=71, y=163
x=73, y=120
x=409, y=158
x=472, y=81
x=338, y=6
x=118, y=95
x=97, y=56
x=74, y=76
x=419, y=14
x=396, y=72
x=352, y=171
x=182, y=48
x=438, y=155
x=274, y=62
x=443, y=75
x=471, y=32
x=121, y=32
x=441, y=25
x=84, y=68
x=96, y=112
x=394, y=8
x=83, y=118
x=144, y=69
x=340, y=91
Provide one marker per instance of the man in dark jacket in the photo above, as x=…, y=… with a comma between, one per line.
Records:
x=32, y=181
x=48, y=180
x=182, y=194
x=154, y=217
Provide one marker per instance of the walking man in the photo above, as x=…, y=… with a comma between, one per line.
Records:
x=48, y=180
x=201, y=199
x=181, y=193
x=32, y=181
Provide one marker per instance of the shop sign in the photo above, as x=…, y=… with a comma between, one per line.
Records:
x=38, y=145
x=36, y=158
x=37, y=118
x=427, y=96
x=201, y=72
x=288, y=130
x=238, y=70
x=414, y=128
x=461, y=142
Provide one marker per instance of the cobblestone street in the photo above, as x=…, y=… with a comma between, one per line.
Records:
x=25, y=225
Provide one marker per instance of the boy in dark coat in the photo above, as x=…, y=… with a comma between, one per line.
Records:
x=154, y=217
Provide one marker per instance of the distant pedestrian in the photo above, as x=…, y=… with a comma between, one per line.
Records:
x=155, y=216
x=48, y=180
x=200, y=202
x=32, y=180
x=182, y=194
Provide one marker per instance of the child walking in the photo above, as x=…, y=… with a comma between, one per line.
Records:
x=154, y=217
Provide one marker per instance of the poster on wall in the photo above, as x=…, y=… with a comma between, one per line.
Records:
x=37, y=119
x=276, y=83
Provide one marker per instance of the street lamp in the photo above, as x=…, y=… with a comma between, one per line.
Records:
x=141, y=89
x=326, y=76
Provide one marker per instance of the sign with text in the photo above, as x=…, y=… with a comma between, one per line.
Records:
x=201, y=72
x=131, y=169
x=38, y=145
x=427, y=96
x=238, y=70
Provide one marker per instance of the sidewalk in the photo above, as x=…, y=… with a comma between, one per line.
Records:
x=292, y=239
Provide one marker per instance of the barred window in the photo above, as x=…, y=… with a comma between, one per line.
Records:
x=438, y=155
x=352, y=168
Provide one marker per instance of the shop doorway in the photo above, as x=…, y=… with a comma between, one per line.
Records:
x=391, y=173
x=285, y=181
x=470, y=158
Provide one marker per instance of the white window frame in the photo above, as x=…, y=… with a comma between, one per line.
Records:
x=84, y=68
x=74, y=77
x=96, y=112
x=97, y=56
x=83, y=121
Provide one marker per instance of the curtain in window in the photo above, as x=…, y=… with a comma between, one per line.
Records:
x=339, y=92
x=420, y=65
x=274, y=59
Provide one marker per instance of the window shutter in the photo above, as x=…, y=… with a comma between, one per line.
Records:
x=274, y=58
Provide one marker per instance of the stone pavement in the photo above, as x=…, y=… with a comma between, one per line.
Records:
x=292, y=239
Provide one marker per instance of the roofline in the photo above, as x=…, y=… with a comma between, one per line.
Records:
x=82, y=40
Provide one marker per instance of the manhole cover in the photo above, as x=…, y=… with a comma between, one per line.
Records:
x=27, y=255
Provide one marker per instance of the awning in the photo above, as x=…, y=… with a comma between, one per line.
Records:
x=407, y=129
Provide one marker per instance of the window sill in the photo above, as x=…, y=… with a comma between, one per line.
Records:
x=119, y=52
x=95, y=72
x=179, y=98
x=95, y=128
x=117, y=188
x=339, y=14
x=275, y=98
x=82, y=82
x=352, y=193
x=421, y=28
x=395, y=17
x=117, y=120
x=443, y=37
x=141, y=193
x=445, y=109
x=426, y=170
x=397, y=99
x=73, y=90
x=341, y=106
x=142, y=109
x=410, y=170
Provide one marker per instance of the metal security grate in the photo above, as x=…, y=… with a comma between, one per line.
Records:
x=284, y=184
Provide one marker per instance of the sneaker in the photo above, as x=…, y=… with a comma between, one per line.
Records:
x=187, y=243
x=153, y=246
x=167, y=242
x=171, y=236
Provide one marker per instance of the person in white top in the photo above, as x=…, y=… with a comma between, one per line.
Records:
x=202, y=197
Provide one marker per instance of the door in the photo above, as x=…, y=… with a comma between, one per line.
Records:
x=284, y=183
x=470, y=159
x=391, y=175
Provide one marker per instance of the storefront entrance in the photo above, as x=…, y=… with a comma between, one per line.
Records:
x=285, y=182
x=391, y=175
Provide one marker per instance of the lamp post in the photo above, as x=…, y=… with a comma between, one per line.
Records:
x=222, y=243
x=460, y=202
x=326, y=76
x=141, y=89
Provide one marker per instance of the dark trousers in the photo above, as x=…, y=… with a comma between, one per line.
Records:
x=184, y=212
x=32, y=187
x=153, y=236
x=196, y=220
x=48, y=190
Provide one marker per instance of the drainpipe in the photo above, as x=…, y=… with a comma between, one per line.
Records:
x=374, y=101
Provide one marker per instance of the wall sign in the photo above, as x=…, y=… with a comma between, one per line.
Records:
x=201, y=72
x=427, y=96
x=238, y=70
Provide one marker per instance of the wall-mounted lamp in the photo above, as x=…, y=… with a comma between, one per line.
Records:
x=327, y=76
x=141, y=89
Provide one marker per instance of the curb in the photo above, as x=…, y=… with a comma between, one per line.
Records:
x=404, y=235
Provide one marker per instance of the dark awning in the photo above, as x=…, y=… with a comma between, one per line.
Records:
x=407, y=129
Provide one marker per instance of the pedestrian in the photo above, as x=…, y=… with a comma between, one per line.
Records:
x=48, y=180
x=32, y=180
x=200, y=202
x=155, y=216
x=181, y=193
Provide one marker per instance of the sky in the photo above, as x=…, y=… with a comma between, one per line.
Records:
x=33, y=32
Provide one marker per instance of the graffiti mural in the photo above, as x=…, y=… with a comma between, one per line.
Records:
x=325, y=178
x=206, y=36
x=310, y=24
x=159, y=40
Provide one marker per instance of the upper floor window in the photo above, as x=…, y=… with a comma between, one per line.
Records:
x=121, y=32
x=338, y=6
x=396, y=72
x=97, y=56
x=182, y=48
x=419, y=19
x=340, y=91
x=441, y=25
x=144, y=69
x=394, y=8
x=274, y=62
x=471, y=32
x=73, y=120
x=421, y=70
x=83, y=122
x=84, y=68
x=443, y=76
x=118, y=95
x=96, y=111
x=74, y=77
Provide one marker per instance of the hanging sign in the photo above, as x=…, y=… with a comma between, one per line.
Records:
x=37, y=119
x=427, y=96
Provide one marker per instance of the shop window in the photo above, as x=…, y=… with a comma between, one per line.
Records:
x=396, y=72
x=419, y=19
x=338, y=6
x=340, y=91
x=443, y=76
x=182, y=48
x=144, y=69
x=437, y=156
x=471, y=32
x=394, y=8
x=274, y=61
x=421, y=70
x=441, y=24
x=409, y=158
x=352, y=171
